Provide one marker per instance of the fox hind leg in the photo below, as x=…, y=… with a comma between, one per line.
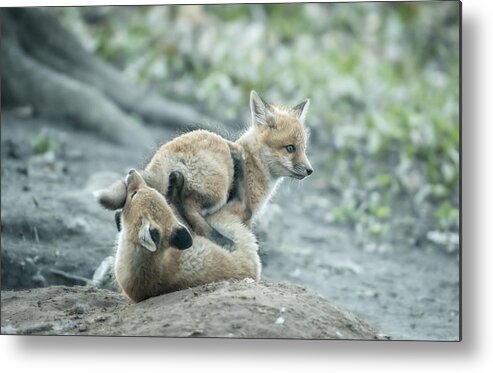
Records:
x=175, y=188
x=189, y=209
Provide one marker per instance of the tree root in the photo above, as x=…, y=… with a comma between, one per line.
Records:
x=44, y=66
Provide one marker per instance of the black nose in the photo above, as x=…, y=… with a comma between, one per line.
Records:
x=309, y=171
x=182, y=239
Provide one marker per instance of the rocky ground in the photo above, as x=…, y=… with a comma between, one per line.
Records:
x=54, y=233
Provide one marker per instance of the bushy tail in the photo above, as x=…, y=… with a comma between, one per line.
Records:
x=112, y=197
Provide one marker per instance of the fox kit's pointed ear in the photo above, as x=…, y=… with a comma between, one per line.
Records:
x=301, y=109
x=112, y=197
x=134, y=177
x=261, y=114
x=147, y=236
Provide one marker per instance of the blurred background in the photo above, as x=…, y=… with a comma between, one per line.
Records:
x=376, y=228
x=383, y=80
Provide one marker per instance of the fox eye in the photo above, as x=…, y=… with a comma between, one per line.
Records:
x=133, y=194
x=290, y=148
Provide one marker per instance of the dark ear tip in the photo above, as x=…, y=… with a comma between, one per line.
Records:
x=255, y=96
x=128, y=178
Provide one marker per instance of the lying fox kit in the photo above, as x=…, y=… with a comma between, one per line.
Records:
x=217, y=171
x=155, y=253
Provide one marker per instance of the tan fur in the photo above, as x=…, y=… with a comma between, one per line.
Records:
x=204, y=159
x=266, y=157
x=142, y=274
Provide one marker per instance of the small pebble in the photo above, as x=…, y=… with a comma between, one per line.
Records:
x=22, y=170
x=280, y=320
x=82, y=328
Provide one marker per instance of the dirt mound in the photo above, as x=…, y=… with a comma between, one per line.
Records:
x=243, y=309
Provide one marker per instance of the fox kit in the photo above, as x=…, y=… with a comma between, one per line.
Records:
x=274, y=147
x=151, y=258
x=217, y=171
x=212, y=167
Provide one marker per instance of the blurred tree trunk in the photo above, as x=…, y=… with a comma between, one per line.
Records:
x=45, y=66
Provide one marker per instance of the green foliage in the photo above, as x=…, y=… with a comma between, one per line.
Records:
x=371, y=210
x=347, y=210
x=43, y=143
x=447, y=216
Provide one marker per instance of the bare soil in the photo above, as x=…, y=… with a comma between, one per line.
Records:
x=242, y=309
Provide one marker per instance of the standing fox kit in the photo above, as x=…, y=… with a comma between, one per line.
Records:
x=273, y=147
x=217, y=171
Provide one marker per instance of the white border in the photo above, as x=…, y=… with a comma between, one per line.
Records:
x=474, y=354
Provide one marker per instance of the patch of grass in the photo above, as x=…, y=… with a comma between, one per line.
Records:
x=43, y=143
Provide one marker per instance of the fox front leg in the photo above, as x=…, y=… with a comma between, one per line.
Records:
x=175, y=188
x=191, y=212
x=189, y=209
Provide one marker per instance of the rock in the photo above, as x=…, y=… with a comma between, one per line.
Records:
x=46, y=166
x=447, y=240
x=241, y=309
x=13, y=149
x=103, y=273
x=77, y=225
